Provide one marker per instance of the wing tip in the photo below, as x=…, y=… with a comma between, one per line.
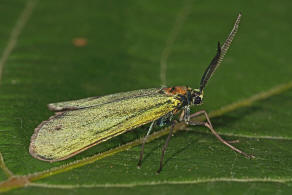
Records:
x=34, y=154
x=57, y=108
x=54, y=107
x=32, y=148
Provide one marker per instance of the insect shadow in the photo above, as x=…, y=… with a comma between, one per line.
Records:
x=235, y=116
x=182, y=149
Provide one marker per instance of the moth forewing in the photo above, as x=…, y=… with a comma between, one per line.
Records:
x=96, y=101
x=72, y=131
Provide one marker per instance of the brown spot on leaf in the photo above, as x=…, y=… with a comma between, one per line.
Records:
x=79, y=41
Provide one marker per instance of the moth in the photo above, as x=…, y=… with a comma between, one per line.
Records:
x=81, y=124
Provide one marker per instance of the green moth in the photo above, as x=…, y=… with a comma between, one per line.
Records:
x=81, y=124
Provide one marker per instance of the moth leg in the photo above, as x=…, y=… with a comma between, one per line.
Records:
x=165, y=146
x=144, y=141
x=208, y=124
x=203, y=123
x=181, y=118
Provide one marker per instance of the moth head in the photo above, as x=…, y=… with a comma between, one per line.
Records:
x=197, y=96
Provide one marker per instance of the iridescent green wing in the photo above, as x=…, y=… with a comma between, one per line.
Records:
x=95, y=101
x=70, y=132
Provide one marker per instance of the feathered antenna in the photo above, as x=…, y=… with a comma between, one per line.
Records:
x=221, y=51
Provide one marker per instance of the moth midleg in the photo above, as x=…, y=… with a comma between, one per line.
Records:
x=208, y=124
x=144, y=141
x=165, y=146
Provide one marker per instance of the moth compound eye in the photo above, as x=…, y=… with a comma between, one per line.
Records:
x=197, y=100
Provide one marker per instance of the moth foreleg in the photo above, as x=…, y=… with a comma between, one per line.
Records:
x=208, y=124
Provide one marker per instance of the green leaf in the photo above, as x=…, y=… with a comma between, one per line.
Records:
x=63, y=50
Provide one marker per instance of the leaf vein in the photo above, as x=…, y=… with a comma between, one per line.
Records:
x=20, y=23
x=139, y=184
